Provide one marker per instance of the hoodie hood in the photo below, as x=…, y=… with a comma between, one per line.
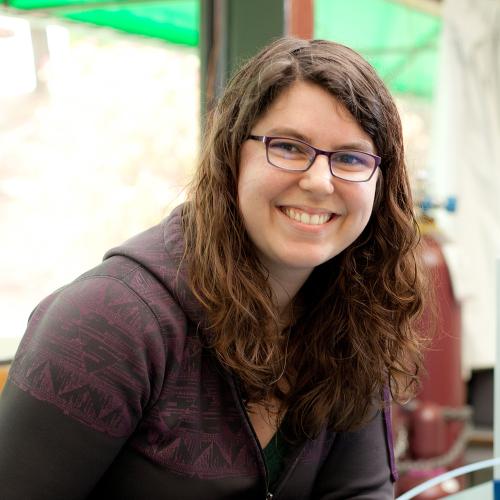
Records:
x=160, y=251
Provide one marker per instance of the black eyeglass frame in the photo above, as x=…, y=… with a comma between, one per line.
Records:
x=266, y=139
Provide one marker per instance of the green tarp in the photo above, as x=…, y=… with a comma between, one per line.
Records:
x=399, y=41
x=175, y=21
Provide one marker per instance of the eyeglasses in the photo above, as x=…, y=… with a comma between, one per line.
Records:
x=293, y=155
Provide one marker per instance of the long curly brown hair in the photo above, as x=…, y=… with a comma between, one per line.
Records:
x=351, y=331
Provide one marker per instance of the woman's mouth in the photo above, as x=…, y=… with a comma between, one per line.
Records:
x=305, y=218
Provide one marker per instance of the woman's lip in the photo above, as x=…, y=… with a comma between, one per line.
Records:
x=308, y=210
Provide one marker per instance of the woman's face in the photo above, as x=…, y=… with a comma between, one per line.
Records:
x=277, y=206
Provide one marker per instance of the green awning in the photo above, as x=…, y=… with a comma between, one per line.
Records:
x=399, y=41
x=175, y=21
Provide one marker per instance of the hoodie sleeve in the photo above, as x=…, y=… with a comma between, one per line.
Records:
x=90, y=364
x=358, y=466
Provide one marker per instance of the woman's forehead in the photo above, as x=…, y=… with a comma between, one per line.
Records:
x=308, y=112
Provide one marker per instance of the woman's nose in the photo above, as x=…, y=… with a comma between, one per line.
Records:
x=318, y=179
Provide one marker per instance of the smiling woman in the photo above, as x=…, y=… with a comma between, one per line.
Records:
x=246, y=347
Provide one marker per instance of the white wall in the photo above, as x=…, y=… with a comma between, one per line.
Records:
x=466, y=162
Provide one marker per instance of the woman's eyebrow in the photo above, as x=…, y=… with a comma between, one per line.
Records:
x=289, y=132
x=360, y=145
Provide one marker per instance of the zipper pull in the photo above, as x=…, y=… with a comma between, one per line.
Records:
x=269, y=496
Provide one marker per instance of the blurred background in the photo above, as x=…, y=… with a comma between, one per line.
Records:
x=101, y=107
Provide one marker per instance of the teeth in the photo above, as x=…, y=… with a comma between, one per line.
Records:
x=305, y=218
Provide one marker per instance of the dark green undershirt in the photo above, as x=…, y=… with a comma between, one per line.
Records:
x=274, y=454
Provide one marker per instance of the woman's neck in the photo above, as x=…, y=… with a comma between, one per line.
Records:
x=285, y=287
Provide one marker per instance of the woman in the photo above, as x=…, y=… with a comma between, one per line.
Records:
x=245, y=347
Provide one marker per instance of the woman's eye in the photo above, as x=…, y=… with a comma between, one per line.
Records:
x=348, y=159
x=285, y=146
x=352, y=160
x=290, y=149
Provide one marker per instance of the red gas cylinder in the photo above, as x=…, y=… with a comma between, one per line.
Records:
x=443, y=382
x=431, y=431
x=442, y=322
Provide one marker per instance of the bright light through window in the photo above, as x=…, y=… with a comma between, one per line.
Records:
x=16, y=57
x=101, y=150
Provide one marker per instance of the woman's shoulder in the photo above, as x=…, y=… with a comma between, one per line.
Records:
x=89, y=349
x=101, y=343
x=136, y=288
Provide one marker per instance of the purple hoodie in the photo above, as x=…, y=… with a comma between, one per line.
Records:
x=112, y=395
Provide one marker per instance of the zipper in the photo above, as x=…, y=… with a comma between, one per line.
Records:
x=294, y=461
x=239, y=399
